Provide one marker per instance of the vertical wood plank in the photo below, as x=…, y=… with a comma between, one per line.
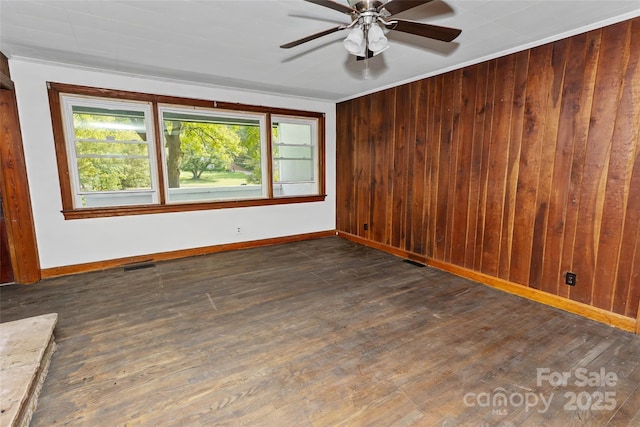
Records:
x=569, y=115
x=390, y=154
x=603, y=114
x=513, y=162
x=427, y=125
x=581, y=132
x=623, y=148
x=456, y=82
x=627, y=288
x=475, y=166
x=497, y=171
x=460, y=218
x=344, y=168
x=489, y=106
x=547, y=159
x=408, y=177
x=529, y=169
x=380, y=113
x=419, y=184
x=363, y=167
x=435, y=123
x=444, y=165
x=403, y=119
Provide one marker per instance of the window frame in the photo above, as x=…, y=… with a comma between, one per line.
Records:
x=259, y=117
x=71, y=145
x=67, y=192
x=314, y=146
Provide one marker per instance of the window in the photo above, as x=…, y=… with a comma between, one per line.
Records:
x=110, y=148
x=295, y=167
x=213, y=155
x=126, y=153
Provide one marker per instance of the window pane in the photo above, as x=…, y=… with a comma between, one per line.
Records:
x=114, y=149
x=294, y=157
x=108, y=124
x=111, y=152
x=212, y=157
x=292, y=152
x=293, y=133
x=113, y=174
x=292, y=170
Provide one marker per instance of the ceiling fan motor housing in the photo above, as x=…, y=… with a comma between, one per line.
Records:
x=363, y=5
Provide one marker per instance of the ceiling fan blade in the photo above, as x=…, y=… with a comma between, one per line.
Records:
x=397, y=6
x=334, y=5
x=444, y=34
x=312, y=37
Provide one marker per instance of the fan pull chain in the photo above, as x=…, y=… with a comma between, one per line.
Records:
x=366, y=52
x=366, y=67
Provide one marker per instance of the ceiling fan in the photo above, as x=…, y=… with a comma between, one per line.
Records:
x=369, y=17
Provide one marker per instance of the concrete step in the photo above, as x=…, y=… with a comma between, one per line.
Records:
x=26, y=347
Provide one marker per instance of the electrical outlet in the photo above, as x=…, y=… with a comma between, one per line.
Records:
x=238, y=229
x=366, y=227
x=570, y=279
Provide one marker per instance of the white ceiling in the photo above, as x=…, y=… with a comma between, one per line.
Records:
x=235, y=43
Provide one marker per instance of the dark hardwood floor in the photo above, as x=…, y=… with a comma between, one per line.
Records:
x=319, y=333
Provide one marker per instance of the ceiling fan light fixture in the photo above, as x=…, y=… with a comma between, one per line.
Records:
x=377, y=41
x=369, y=24
x=355, y=42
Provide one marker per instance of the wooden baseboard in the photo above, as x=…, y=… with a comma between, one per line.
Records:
x=585, y=310
x=165, y=256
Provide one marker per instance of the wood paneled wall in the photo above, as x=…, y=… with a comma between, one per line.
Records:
x=522, y=168
x=14, y=186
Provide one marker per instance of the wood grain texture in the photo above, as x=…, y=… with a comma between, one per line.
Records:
x=6, y=267
x=314, y=333
x=531, y=167
x=5, y=74
x=590, y=312
x=345, y=191
x=475, y=168
x=16, y=197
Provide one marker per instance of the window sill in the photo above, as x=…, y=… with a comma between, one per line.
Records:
x=83, y=213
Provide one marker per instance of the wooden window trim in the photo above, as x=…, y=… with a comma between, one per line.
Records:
x=68, y=210
x=269, y=153
x=157, y=133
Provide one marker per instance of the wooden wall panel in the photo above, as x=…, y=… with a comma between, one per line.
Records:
x=606, y=95
x=462, y=172
x=345, y=190
x=521, y=168
x=14, y=186
x=621, y=163
x=399, y=190
x=362, y=163
x=483, y=183
x=568, y=116
x=475, y=167
x=497, y=166
x=513, y=163
x=527, y=209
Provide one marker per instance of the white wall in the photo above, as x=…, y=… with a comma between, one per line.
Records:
x=66, y=242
